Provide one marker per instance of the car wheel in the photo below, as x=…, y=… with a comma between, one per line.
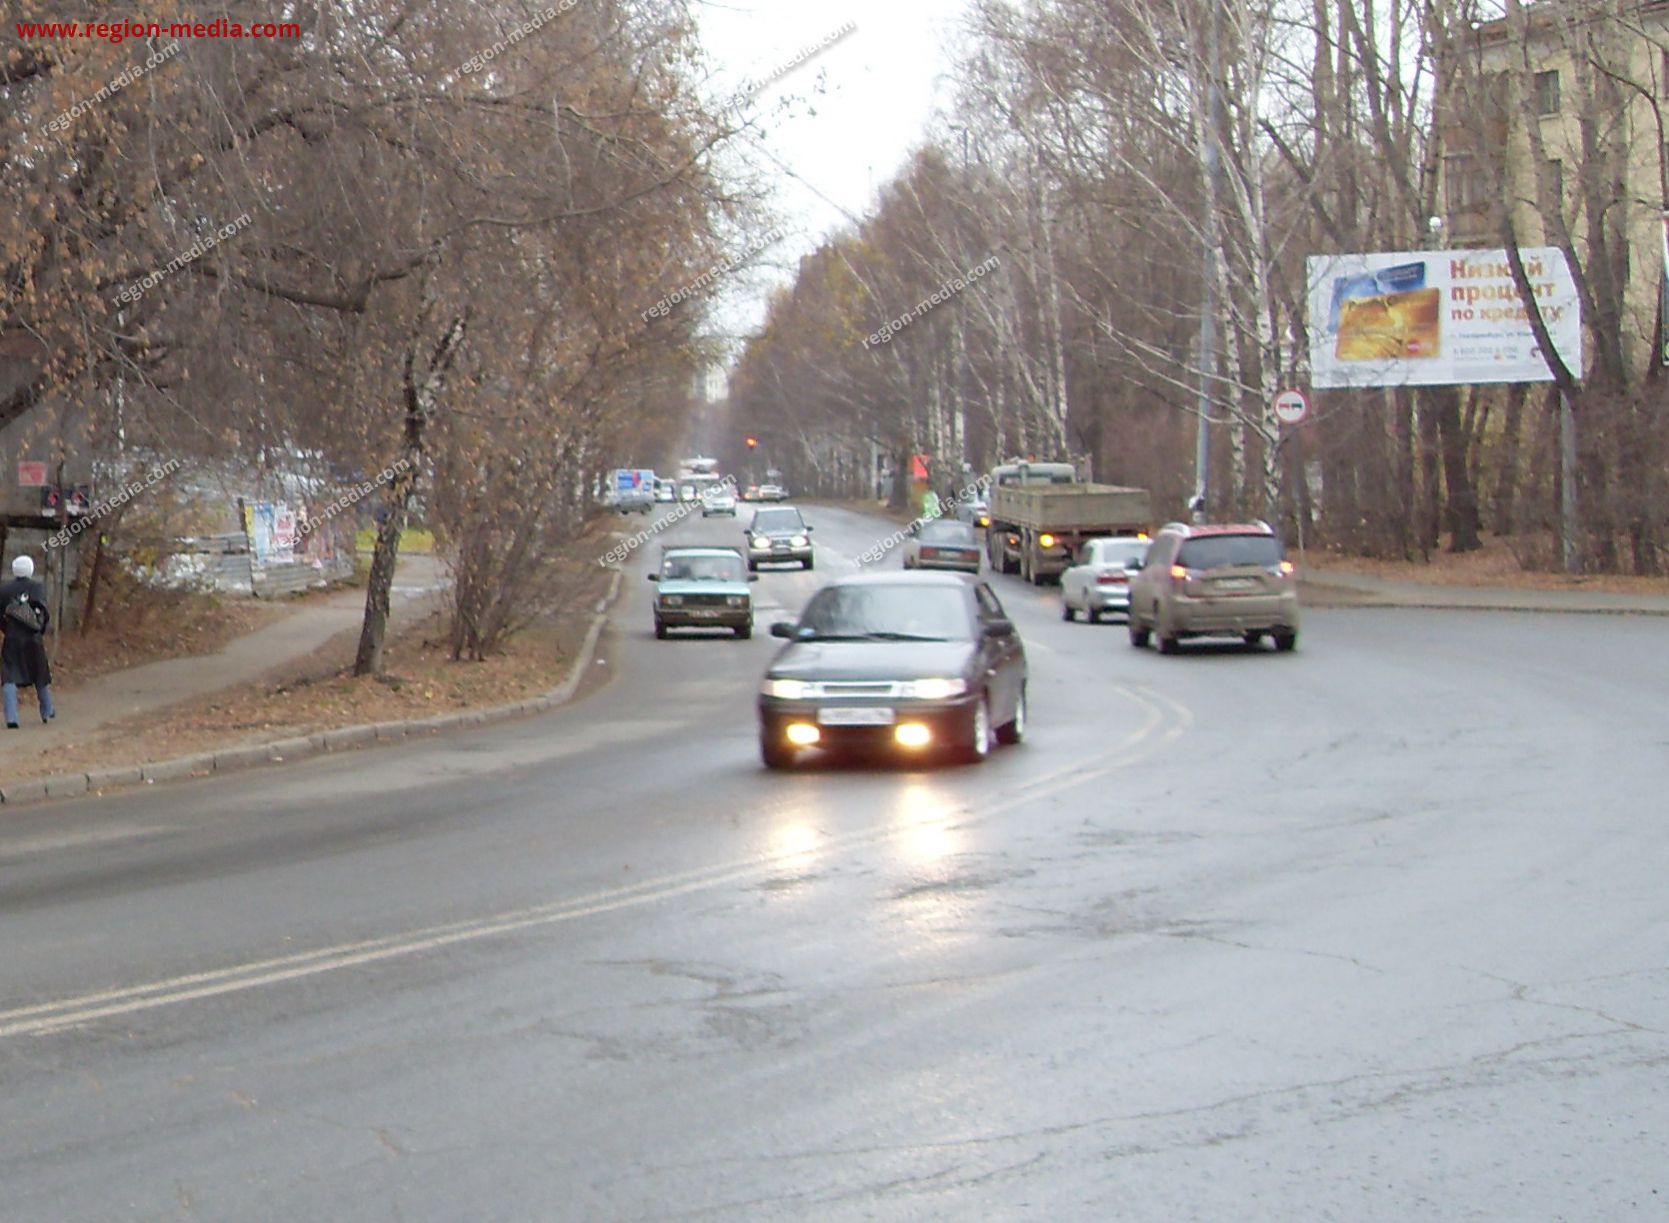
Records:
x=1168, y=643
x=1252, y=639
x=1093, y=615
x=752, y=568
x=1015, y=731
x=1138, y=634
x=775, y=755
x=1067, y=611
x=809, y=564
x=744, y=631
x=978, y=746
x=660, y=631
x=1286, y=642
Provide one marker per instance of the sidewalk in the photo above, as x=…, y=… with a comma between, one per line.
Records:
x=1361, y=590
x=110, y=698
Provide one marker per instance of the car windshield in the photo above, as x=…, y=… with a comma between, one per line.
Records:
x=889, y=613
x=1219, y=551
x=777, y=520
x=945, y=531
x=698, y=568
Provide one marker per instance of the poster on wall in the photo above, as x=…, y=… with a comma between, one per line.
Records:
x=272, y=532
x=1437, y=318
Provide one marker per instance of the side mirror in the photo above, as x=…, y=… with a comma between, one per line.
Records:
x=781, y=628
x=999, y=628
x=653, y=577
x=753, y=577
x=808, y=528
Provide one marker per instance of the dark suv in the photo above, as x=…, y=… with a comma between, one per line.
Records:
x=1222, y=580
x=778, y=533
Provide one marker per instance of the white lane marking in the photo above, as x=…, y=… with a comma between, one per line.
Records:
x=1164, y=718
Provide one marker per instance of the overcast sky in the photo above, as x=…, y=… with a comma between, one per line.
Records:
x=855, y=109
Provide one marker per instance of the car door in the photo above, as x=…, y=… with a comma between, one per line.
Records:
x=1004, y=658
x=1074, y=581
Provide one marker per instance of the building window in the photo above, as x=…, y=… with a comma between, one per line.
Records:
x=1547, y=92
x=1464, y=184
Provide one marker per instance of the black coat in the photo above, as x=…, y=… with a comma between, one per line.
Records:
x=23, y=657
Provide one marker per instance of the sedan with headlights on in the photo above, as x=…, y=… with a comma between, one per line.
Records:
x=909, y=663
x=778, y=533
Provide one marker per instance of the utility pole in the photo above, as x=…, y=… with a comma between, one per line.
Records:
x=1208, y=286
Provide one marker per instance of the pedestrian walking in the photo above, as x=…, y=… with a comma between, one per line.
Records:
x=23, y=662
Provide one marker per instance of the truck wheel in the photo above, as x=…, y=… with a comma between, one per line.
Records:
x=1138, y=634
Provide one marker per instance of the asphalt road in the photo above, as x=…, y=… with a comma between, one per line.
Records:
x=1376, y=930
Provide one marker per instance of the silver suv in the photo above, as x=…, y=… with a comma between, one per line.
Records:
x=1222, y=580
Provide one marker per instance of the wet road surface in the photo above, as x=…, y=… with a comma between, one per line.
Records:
x=1375, y=930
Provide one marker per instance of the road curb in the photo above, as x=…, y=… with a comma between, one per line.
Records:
x=303, y=747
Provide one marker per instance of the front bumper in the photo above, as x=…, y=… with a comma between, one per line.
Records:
x=759, y=556
x=703, y=617
x=947, y=722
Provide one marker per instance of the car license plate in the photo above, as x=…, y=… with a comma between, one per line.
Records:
x=1237, y=583
x=859, y=715
x=705, y=612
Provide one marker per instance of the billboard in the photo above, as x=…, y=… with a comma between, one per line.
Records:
x=1437, y=318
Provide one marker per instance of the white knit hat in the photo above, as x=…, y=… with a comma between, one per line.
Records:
x=23, y=567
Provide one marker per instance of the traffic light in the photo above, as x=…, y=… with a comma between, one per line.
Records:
x=753, y=442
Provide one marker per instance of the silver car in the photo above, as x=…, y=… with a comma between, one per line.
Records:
x=1097, y=582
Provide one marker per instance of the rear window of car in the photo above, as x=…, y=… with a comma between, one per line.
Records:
x=1220, y=551
x=946, y=531
x=1122, y=552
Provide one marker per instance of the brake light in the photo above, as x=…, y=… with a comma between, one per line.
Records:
x=1112, y=579
x=1179, y=572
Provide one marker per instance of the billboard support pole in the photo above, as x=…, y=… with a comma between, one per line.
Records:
x=1569, y=553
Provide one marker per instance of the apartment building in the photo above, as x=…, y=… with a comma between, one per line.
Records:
x=1559, y=113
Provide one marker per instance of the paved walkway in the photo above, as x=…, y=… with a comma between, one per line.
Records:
x=111, y=697
x=1364, y=591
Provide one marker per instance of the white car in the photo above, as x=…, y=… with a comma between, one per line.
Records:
x=1098, y=581
x=718, y=501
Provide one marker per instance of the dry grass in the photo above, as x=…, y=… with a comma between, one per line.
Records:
x=1496, y=564
x=420, y=680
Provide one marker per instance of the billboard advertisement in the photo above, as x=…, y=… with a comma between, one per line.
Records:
x=1437, y=318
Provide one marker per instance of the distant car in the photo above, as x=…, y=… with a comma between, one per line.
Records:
x=943, y=543
x=772, y=492
x=1224, y=580
x=779, y=534
x=974, y=512
x=911, y=662
x=1097, y=583
x=718, y=500
x=751, y=493
x=698, y=587
x=664, y=491
x=686, y=492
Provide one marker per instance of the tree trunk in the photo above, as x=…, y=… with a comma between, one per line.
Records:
x=1506, y=473
x=1431, y=491
x=1462, y=506
x=421, y=391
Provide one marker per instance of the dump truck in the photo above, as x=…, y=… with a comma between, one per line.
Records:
x=1042, y=512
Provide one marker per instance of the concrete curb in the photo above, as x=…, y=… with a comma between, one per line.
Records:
x=297, y=748
x=1361, y=597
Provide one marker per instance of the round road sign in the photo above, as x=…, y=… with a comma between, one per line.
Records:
x=1291, y=407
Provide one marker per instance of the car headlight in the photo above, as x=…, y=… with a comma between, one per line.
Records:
x=737, y=600
x=760, y=542
x=933, y=689
x=672, y=600
x=799, y=541
x=785, y=689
